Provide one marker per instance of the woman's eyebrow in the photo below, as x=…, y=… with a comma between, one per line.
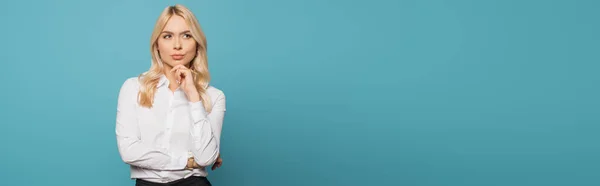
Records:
x=169, y=32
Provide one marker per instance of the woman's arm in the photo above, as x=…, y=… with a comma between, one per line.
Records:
x=132, y=149
x=206, y=131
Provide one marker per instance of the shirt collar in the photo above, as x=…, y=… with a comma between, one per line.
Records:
x=163, y=80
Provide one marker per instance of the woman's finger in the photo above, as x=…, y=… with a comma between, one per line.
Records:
x=177, y=67
x=178, y=76
x=182, y=69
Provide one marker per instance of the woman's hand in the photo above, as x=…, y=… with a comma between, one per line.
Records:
x=185, y=80
x=218, y=163
x=191, y=163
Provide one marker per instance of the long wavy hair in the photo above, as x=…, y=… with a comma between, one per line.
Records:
x=199, y=65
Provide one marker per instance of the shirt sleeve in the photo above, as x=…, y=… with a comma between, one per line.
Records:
x=206, y=131
x=132, y=149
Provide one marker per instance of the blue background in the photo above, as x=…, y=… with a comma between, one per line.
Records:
x=320, y=92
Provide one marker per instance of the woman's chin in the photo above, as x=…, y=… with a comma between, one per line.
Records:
x=177, y=62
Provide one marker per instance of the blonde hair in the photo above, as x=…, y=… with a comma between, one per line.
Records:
x=199, y=65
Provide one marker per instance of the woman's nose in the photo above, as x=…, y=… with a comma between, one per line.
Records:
x=177, y=44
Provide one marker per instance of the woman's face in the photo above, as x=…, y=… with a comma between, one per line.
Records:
x=175, y=44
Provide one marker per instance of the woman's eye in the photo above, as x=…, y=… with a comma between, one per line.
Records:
x=167, y=36
x=187, y=36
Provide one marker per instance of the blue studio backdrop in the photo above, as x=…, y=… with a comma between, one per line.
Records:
x=320, y=92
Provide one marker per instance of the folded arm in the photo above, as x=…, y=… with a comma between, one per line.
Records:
x=132, y=149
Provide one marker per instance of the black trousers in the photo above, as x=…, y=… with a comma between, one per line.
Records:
x=190, y=181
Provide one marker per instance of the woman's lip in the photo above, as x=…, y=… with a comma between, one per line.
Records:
x=177, y=57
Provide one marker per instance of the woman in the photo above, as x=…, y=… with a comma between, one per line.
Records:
x=169, y=119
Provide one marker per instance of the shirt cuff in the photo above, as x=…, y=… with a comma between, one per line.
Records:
x=198, y=111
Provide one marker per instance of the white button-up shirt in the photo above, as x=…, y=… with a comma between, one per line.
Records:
x=156, y=142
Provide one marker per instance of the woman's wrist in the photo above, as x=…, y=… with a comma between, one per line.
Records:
x=190, y=164
x=193, y=96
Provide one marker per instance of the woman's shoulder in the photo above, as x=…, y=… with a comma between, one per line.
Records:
x=131, y=82
x=129, y=88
